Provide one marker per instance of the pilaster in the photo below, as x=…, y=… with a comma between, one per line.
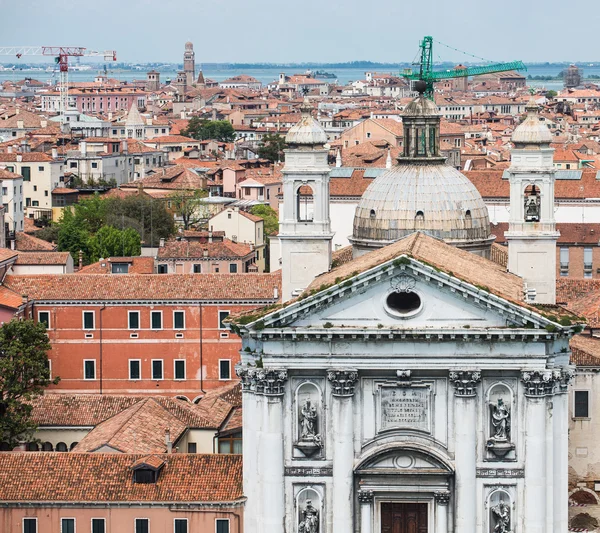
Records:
x=365, y=498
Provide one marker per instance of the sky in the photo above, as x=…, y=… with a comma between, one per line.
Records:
x=309, y=30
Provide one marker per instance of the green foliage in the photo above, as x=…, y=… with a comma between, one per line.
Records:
x=189, y=207
x=551, y=94
x=202, y=130
x=565, y=321
x=73, y=237
x=23, y=375
x=49, y=233
x=551, y=328
x=272, y=147
x=269, y=215
x=328, y=325
x=113, y=242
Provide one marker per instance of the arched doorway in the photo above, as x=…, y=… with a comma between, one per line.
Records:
x=404, y=488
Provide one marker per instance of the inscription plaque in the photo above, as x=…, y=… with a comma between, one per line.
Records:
x=500, y=472
x=406, y=407
x=308, y=471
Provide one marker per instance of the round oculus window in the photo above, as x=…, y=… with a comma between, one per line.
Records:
x=403, y=304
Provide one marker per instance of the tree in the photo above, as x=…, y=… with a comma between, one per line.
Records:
x=202, y=129
x=551, y=94
x=90, y=213
x=189, y=206
x=113, y=242
x=269, y=215
x=24, y=373
x=272, y=147
x=73, y=237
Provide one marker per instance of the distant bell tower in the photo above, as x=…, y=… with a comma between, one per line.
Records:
x=189, y=63
x=532, y=231
x=305, y=230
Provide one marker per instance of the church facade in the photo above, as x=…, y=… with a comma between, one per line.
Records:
x=404, y=397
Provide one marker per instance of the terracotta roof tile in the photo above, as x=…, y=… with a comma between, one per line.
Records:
x=42, y=258
x=570, y=232
x=585, y=350
x=29, y=243
x=137, y=265
x=224, y=249
x=83, y=477
x=10, y=299
x=582, y=297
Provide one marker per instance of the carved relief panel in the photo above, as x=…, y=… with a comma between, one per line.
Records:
x=308, y=420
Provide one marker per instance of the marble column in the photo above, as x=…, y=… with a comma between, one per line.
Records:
x=365, y=497
x=342, y=385
x=442, y=499
x=538, y=384
x=270, y=384
x=561, y=452
x=465, y=441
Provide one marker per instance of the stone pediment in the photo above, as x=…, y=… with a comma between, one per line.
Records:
x=404, y=461
x=405, y=294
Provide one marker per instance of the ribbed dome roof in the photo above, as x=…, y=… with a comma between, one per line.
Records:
x=434, y=198
x=532, y=130
x=421, y=106
x=307, y=132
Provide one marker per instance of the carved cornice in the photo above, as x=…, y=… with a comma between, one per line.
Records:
x=365, y=496
x=465, y=382
x=442, y=497
x=343, y=381
x=266, y=381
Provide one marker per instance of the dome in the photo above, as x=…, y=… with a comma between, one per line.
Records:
x=421, y=106
x=307, y=132
x=434, y=198
x=532, y=131
x=189, y=45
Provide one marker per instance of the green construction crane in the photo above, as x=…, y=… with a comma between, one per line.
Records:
x=428, y=77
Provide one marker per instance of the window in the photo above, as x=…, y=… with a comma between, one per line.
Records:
x=178, y=319
x=157, y=369
x=67, y=525
x=224, y=369
x=98, y=525
x=222, y=316
x=231, y=443
x=581, y=407
x=233, y=268
x=94, y=165
x=4, y=191
x=29, y=525
x=564, y=262
x=88, y=320
x=192, y=447
x=222, y=525
x=587, y=262
x=73, y=164
x=179, y=368
x=197, y=269
x=44, y=317
x=161, y=269
x=142, y=525
x=135, y=370
x=89, y=369
x=181, y=525
x=156, y=319
x=26, y=173
x=134, y=319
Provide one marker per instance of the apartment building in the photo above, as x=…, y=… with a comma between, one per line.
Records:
x=12, y=200
x=141, y=334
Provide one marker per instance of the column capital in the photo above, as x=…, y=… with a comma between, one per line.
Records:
x=266, y=381
x=343, y=381
x=442, y=497
x=365, y=496
x=465, y=382
x=540, y=383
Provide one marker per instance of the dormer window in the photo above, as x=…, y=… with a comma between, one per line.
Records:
x=144, y=475
x=147, y=469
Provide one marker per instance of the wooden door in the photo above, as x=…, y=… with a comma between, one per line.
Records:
x=403, y=518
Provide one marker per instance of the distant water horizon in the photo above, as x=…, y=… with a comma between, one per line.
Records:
x=269, y=74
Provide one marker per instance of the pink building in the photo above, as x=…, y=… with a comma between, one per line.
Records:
x=53, y=492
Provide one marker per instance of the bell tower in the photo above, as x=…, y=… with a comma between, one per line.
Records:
x=189, y=64
x=532, y=233
x=305, y=230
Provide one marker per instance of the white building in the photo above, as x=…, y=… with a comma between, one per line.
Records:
x=12, y=200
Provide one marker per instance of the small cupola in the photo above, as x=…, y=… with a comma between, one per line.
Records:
x=147, y=469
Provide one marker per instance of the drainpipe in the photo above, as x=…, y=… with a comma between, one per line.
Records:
x=201, y=358
x=100, y=338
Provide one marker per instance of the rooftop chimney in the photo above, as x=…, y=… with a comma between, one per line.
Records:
x=168, y=441
x=83, y=148
x=19, y=158
x=54, y=153
x=80, y=259
x=161, y=243
x=9, y=150
x=275, y=293
x=210, y=238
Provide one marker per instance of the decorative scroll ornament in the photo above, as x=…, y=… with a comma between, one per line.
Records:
x=309, y=519
x=270, y=381
x=403, y=283
x=442, y=497
x=365, y=496
x=247, y=375
x=465, y=382
x=501, y=514
x=566, y=376
x=342, y=381
x=539, y=383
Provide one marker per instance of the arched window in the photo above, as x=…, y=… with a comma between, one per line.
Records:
x=419, y=220
x=372, y=214
x=532, y=203
x=304, y=204
x=33, y=447
x=73, y=444
x=61, y=447
x=47, y=447
x=468, y=219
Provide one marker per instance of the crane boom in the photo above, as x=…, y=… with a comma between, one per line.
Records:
x=427, y=75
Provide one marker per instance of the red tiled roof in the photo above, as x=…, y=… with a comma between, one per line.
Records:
x=137, y=265
x=570, y=232
x=10, y=299
x=585, y=350
x=177, y=177
x=27, y=157
x=146, y=287
x=224, y=249
x=99, y=477
x=42, y=258
x=582, y=297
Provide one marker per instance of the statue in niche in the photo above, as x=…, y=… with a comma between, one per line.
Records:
x=499, y=442
x=500, y=421
x=310, y=440
x=308, y=421
x=310, y=519
x=532, y=208
x=501, y=514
